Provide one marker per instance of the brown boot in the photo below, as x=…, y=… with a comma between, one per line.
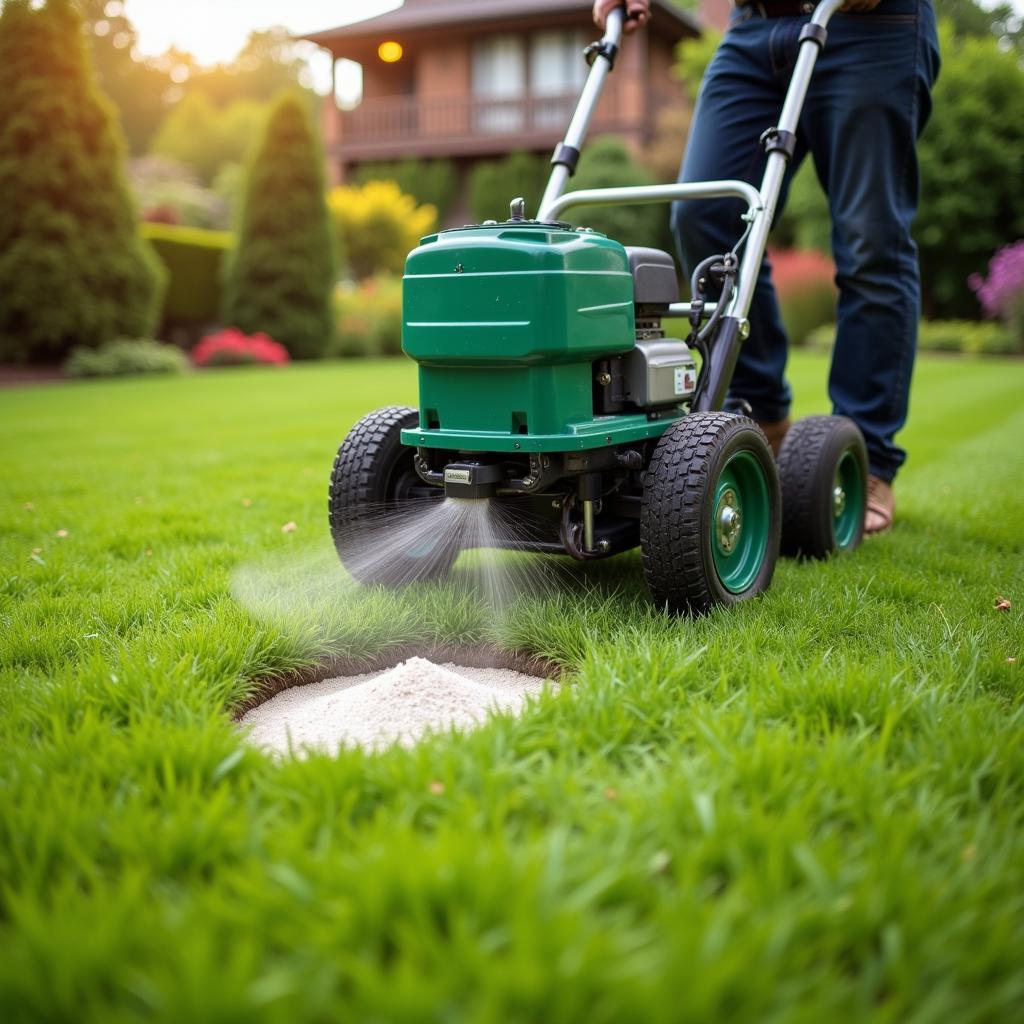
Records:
x=881, y=506
x=776, y=432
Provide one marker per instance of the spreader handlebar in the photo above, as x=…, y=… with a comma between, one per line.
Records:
x=601, y=56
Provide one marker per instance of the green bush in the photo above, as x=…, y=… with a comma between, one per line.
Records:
x=73, y=269
x=971, y=157
x=493, y=184
x=279, y=277
x=193, y=259
x=429, y=182
x=972, y=337
x=804, y=283
x=805, y=223
x=607, y=163
x=967, y=337
x=368, y=318
x=126, y=358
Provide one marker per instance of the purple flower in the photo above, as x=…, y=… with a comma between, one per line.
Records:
x=1002, y=292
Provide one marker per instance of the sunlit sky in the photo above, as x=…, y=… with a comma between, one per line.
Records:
x=215, y=30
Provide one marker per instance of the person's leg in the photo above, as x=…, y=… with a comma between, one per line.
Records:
x=868, y=102
x=741, y=95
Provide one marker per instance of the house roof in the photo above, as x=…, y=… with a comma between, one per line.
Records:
x=435, y=14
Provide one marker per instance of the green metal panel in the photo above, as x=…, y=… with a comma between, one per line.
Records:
x=596, y=432
x=505, y=321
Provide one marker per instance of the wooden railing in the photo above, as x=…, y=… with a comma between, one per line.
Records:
x=411, y=119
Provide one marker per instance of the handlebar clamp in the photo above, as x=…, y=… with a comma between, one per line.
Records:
x=775, y=140
x=816, y=33
x=601, y=48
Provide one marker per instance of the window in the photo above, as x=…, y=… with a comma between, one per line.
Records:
x=499, y=79
x=557, y=73
x=557, y=67
x=521, y=83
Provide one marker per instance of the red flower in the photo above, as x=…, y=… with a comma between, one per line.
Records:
x=232, y=347
x=799, y=270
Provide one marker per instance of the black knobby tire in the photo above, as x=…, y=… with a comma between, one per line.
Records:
x=372, y=480
x=681, y=497
x=822, y=454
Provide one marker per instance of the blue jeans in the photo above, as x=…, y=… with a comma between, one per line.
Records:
x=868, y=101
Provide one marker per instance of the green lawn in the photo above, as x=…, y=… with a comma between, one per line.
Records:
x=804, y=809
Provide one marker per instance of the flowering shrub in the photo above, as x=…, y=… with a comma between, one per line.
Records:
x=232, y=347
x=376, y=225
x=804, y=282
x=1001, y=294
x=368, y=318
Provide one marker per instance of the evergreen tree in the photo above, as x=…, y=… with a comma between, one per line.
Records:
x=279, y=277
x=73, y=269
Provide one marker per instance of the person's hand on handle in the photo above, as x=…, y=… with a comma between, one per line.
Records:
x=638, y=12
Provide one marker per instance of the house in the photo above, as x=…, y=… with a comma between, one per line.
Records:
x=476, y=79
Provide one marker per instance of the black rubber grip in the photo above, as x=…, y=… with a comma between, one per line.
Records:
x=567, y=156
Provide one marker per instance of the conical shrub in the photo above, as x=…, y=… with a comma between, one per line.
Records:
x=280, y=274
x=73, y=269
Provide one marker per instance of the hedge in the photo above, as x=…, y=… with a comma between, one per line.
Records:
x=278, y=277
x=967, y=337
x=73, y=270
x=193, y=258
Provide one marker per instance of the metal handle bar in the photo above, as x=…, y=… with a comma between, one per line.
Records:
x=778, y=159
x=761, y=202
x=592, y=89
x=780, y=143
x=633, y=194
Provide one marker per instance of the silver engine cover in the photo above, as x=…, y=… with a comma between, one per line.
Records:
x=659, y=371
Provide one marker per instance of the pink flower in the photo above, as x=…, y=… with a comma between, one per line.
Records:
x=1002, y=292
x=232, y=347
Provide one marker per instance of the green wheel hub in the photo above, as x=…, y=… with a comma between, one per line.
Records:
x=847, y=500
x=740, y=517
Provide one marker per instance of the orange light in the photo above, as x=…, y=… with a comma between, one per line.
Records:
x=390, y=52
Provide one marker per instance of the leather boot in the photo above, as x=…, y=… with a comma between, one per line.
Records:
x=881, y=506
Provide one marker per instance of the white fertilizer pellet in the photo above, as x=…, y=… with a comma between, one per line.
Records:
x=378, y=709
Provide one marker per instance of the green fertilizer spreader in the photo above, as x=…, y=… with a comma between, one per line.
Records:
x=561, y=375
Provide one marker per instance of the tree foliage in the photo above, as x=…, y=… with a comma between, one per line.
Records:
x=693, y=55
x=971, y=20
x=138, y=88
x=206, y=137
x=280, y=275
x=972, y=155
x=271, y=62
x=73, y=270
x=144, y=88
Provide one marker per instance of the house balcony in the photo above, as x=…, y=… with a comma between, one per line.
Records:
x=380, y=129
